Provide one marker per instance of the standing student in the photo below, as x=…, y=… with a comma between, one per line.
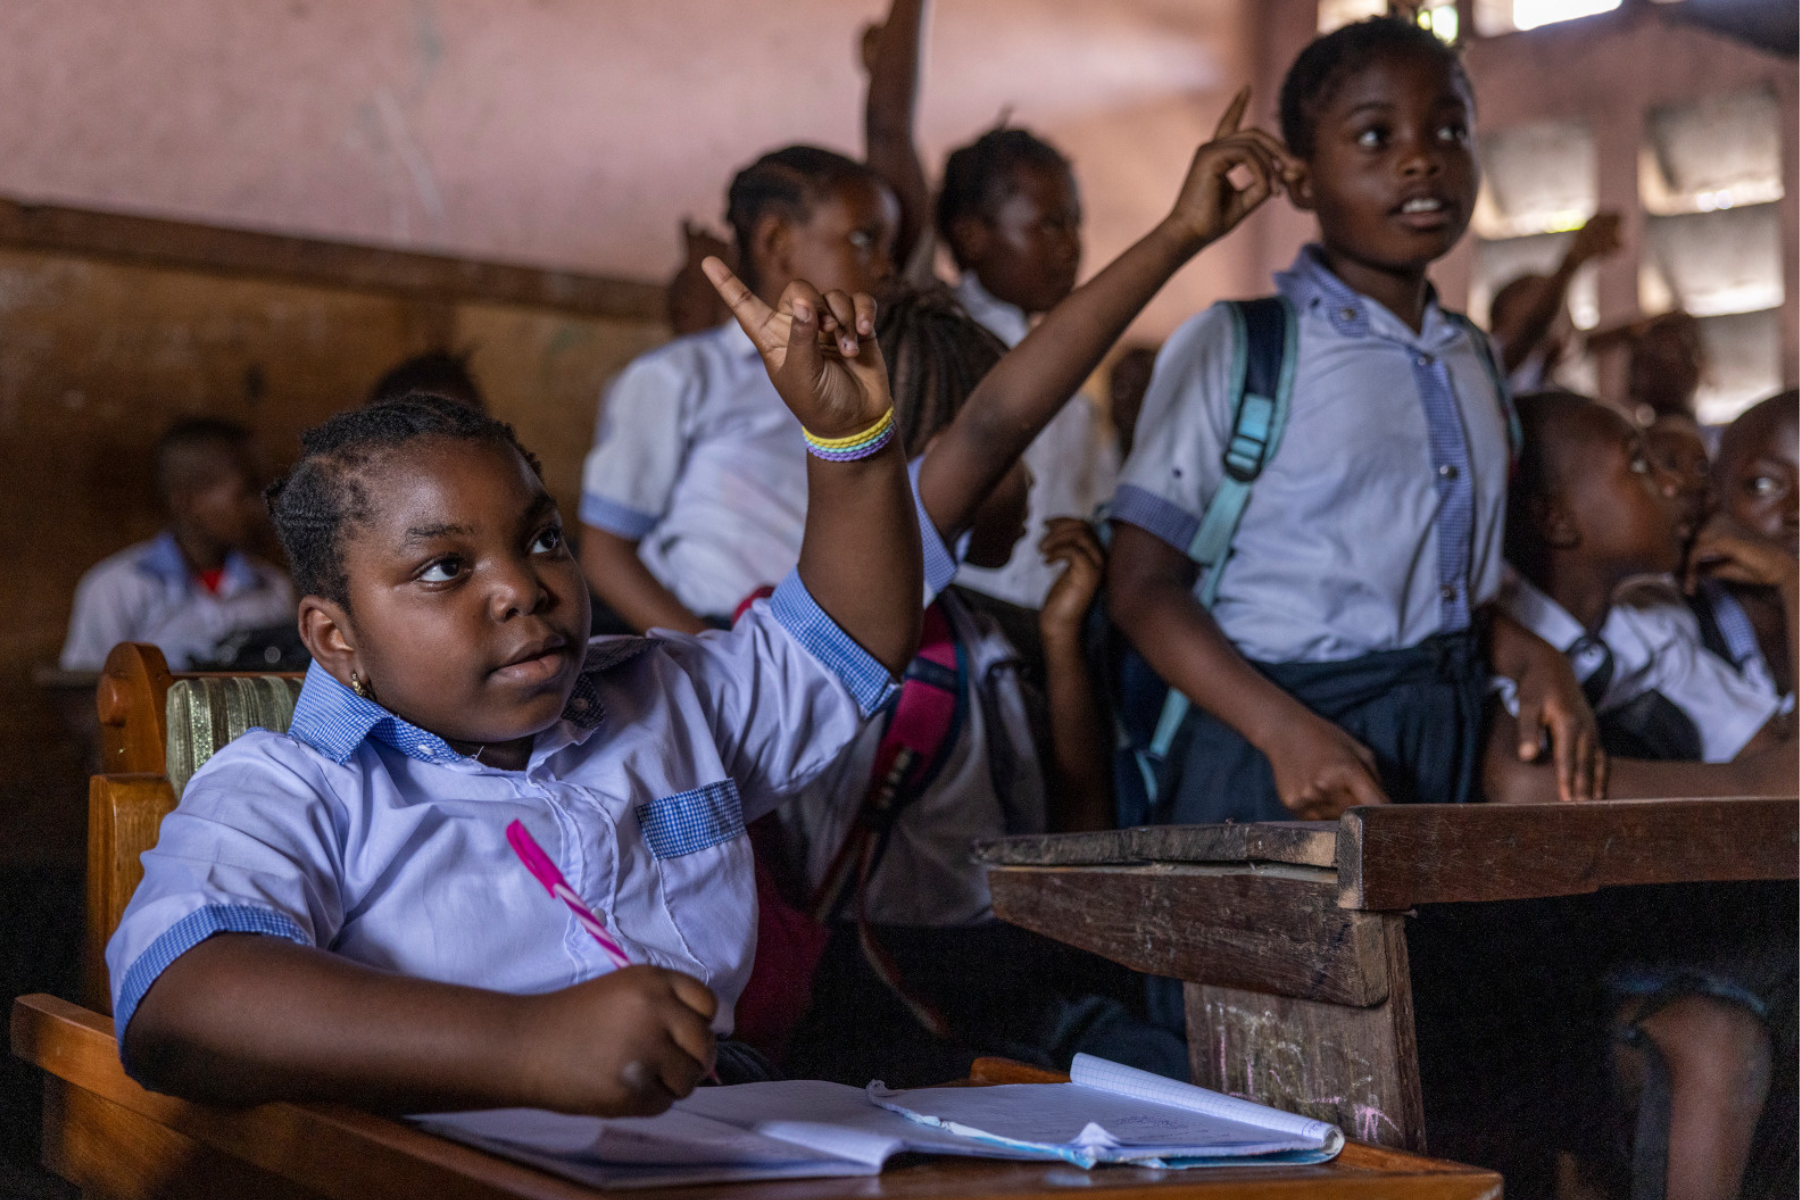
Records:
x=1010, y=213
x=694, y=494
x=336, y=914
x=919, y=977
x=1344, y=660
x=195, y=585
x=1529, y=317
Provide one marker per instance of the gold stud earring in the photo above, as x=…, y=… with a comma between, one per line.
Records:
x=360, y=687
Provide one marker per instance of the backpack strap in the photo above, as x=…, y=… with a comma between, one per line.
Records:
x=1484, y=349
x=1265, y=338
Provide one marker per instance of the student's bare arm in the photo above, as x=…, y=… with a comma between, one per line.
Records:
x=1766, y=769
x=892, y=58
x=620, y=578
x=1081, y=779
x=1550, y=703
x=1532, y=319
x=242, y=1019
x=860, y=559
x=1319, y=769
x=1019, y=396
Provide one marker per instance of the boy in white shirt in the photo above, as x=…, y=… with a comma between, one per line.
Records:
x=193, y=586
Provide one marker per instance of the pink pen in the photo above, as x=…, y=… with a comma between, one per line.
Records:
x=545, y=872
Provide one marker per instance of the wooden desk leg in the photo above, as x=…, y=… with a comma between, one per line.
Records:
x=1355, y=1067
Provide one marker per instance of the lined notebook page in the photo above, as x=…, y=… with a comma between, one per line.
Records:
x=1142, y=1085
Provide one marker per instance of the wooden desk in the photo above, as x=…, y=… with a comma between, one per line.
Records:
x=118, y=1141
x=1289, y=935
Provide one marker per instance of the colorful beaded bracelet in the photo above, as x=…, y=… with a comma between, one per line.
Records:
x=857, y=445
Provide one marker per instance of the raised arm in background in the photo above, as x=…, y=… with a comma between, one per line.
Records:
x=890, y=55
x=1032, y=383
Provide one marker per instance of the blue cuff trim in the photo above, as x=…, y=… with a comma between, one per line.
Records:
x=615, y=518
x=1153, y=514
x=183, y=936
x=793, y=606
x=940, y=563
x=689, y=822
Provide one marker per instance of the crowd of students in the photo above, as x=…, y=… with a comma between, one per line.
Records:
x=1341, y=563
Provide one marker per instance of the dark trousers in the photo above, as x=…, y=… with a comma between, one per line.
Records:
x=1002, y=990
x=1419, y=710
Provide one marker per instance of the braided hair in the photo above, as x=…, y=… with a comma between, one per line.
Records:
x=786, y=182
x=979, y=176
x=323, y=495
x=1328, y=61
x=936, y=353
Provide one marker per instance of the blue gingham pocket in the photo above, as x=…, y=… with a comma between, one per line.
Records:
x=688, y=822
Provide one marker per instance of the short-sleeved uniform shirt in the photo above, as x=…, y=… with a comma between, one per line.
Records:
x=362, y=834
x=1378, y=522
x=698, y=460
x=1074, y=464
x=145, y=593
x=1652, y=647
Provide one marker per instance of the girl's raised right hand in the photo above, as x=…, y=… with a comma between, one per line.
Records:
x=627, y=1044
x=820, y=351
x=1211, y=204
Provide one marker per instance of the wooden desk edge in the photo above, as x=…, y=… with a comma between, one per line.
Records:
x=307, y=1144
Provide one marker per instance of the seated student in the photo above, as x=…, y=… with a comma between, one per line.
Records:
x=335, y=913
x=1676, y=448
x=1696, y=979
x=194, y=586
x=694, y=494
x=1011, y=215
x=1528, y=318
x=1744, y=600
x=436, y=373
x=1343, y=660
x=919, y=976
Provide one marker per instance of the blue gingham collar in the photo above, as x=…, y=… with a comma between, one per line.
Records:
x=163, y=559
x=334, y=720
x=1309, y=283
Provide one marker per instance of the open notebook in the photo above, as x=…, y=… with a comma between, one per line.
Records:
x=800, y=1128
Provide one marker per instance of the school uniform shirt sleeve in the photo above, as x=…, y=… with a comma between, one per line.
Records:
x=1727, y=709
x=253, y=847
x=639, y=447
x=1174, y=469
x=785, y=690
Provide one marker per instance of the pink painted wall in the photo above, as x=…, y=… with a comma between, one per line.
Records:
x=576, y=133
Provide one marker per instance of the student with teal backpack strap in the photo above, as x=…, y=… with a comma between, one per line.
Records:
x=1307, y=537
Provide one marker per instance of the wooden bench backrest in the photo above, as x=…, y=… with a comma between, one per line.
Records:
x=126, y=804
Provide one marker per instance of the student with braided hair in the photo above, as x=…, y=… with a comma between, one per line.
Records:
x=694, y=494
x=337, y=913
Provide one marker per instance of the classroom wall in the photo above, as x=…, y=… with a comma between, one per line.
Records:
x=576, y=133
x=98, y=354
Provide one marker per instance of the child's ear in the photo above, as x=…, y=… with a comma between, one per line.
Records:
x=1300, y=187
x=969, y=238
x=325, y=629
x=772, y=247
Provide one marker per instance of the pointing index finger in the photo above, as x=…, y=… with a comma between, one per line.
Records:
x=744, y=304
x=1234, y=114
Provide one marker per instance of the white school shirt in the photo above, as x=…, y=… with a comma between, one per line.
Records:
x=1655, y=647
x=1074, y=464
x=1740, y=639
x=145, y=593
x=1378, y=522
x=697, y=458
x=362, y=834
